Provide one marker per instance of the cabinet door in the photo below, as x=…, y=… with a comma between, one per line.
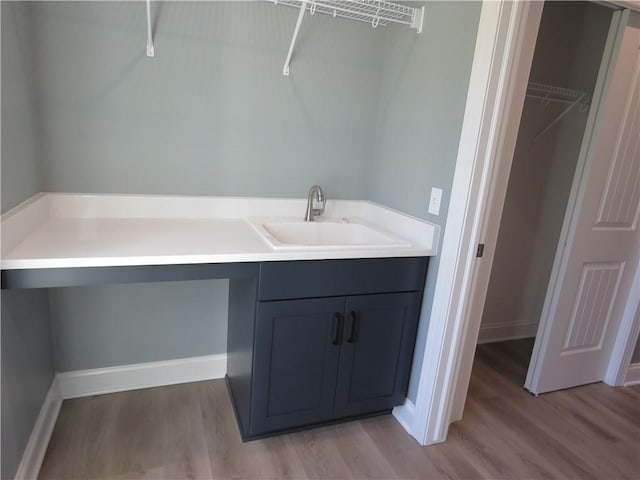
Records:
x=377, y=348
x=297, y=347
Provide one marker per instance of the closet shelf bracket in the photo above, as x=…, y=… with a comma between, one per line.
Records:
x=559, y=117
x=150, y=49
x=303, y=8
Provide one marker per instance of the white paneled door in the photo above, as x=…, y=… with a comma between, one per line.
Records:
x=593, y=274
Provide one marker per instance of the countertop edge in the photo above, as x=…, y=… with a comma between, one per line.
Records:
x=21, y=221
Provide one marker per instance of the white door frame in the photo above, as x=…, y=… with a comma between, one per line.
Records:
x=503, y=54
x=499, y=46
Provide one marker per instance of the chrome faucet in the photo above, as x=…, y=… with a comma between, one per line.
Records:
x=315, y=194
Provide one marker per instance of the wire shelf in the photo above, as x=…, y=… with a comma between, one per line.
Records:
x=552, y=93
x=374, y=12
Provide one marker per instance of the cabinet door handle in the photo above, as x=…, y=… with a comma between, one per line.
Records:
x=354, y=325
x=337, y=323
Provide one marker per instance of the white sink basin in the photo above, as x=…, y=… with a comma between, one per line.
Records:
x=290, y=233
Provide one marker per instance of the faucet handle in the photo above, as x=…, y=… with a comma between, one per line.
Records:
x=315, y=193
x=321, y=199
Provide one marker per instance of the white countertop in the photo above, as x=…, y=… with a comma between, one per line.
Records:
x=69, y=230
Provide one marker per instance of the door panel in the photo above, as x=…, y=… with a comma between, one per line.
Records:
x=620, y=202
x=593, y=278
x=377, y=347
x=592, y=310
x=295, y=365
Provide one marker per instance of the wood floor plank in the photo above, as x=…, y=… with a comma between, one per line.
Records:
x=319, y=454
x=285, y=462
x=228, y=456
x=186, y=452
x=494, y=453
x=536, y=439
x=189, y=431
x=401, y=451
x=566, y=435
x=361, y=455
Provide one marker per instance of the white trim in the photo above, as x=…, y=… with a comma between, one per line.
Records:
x=499, y=332
x=633, y=375
x=39, y=440
x=405, y=414
x=497, y=48
x=630, y=4
x=515, y=68
x=97, y=381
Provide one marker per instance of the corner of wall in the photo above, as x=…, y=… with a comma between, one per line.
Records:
x=22, y=167
x=26, y=353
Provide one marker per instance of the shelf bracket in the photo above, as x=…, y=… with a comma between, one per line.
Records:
x=418, y=19
x=578, y=101
x=150, y=49
x=303, y=7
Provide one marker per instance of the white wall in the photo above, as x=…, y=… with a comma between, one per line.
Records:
x=568, y=53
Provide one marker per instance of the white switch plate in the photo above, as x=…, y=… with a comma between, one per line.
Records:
x=436, y=199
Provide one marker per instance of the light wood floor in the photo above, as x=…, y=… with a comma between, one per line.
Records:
x=188, y=431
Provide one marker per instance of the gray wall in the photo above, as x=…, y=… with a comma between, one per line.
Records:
x=20, y=168
x=362, y=106
x=212, y=113
x=422, y=98
x=423, y=93
x=26, y=370
x=97, y=327
x=26, y=357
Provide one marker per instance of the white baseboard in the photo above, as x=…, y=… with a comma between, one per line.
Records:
x=97, y=381
x=405, y=414
x=633, y=375
x=39, y=440
x=498, y=332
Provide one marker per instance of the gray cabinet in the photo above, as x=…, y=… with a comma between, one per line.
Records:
x=375, y=359
x=302, y=355
x=297, y=350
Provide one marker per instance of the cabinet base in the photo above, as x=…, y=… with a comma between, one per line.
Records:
x=247, y=438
